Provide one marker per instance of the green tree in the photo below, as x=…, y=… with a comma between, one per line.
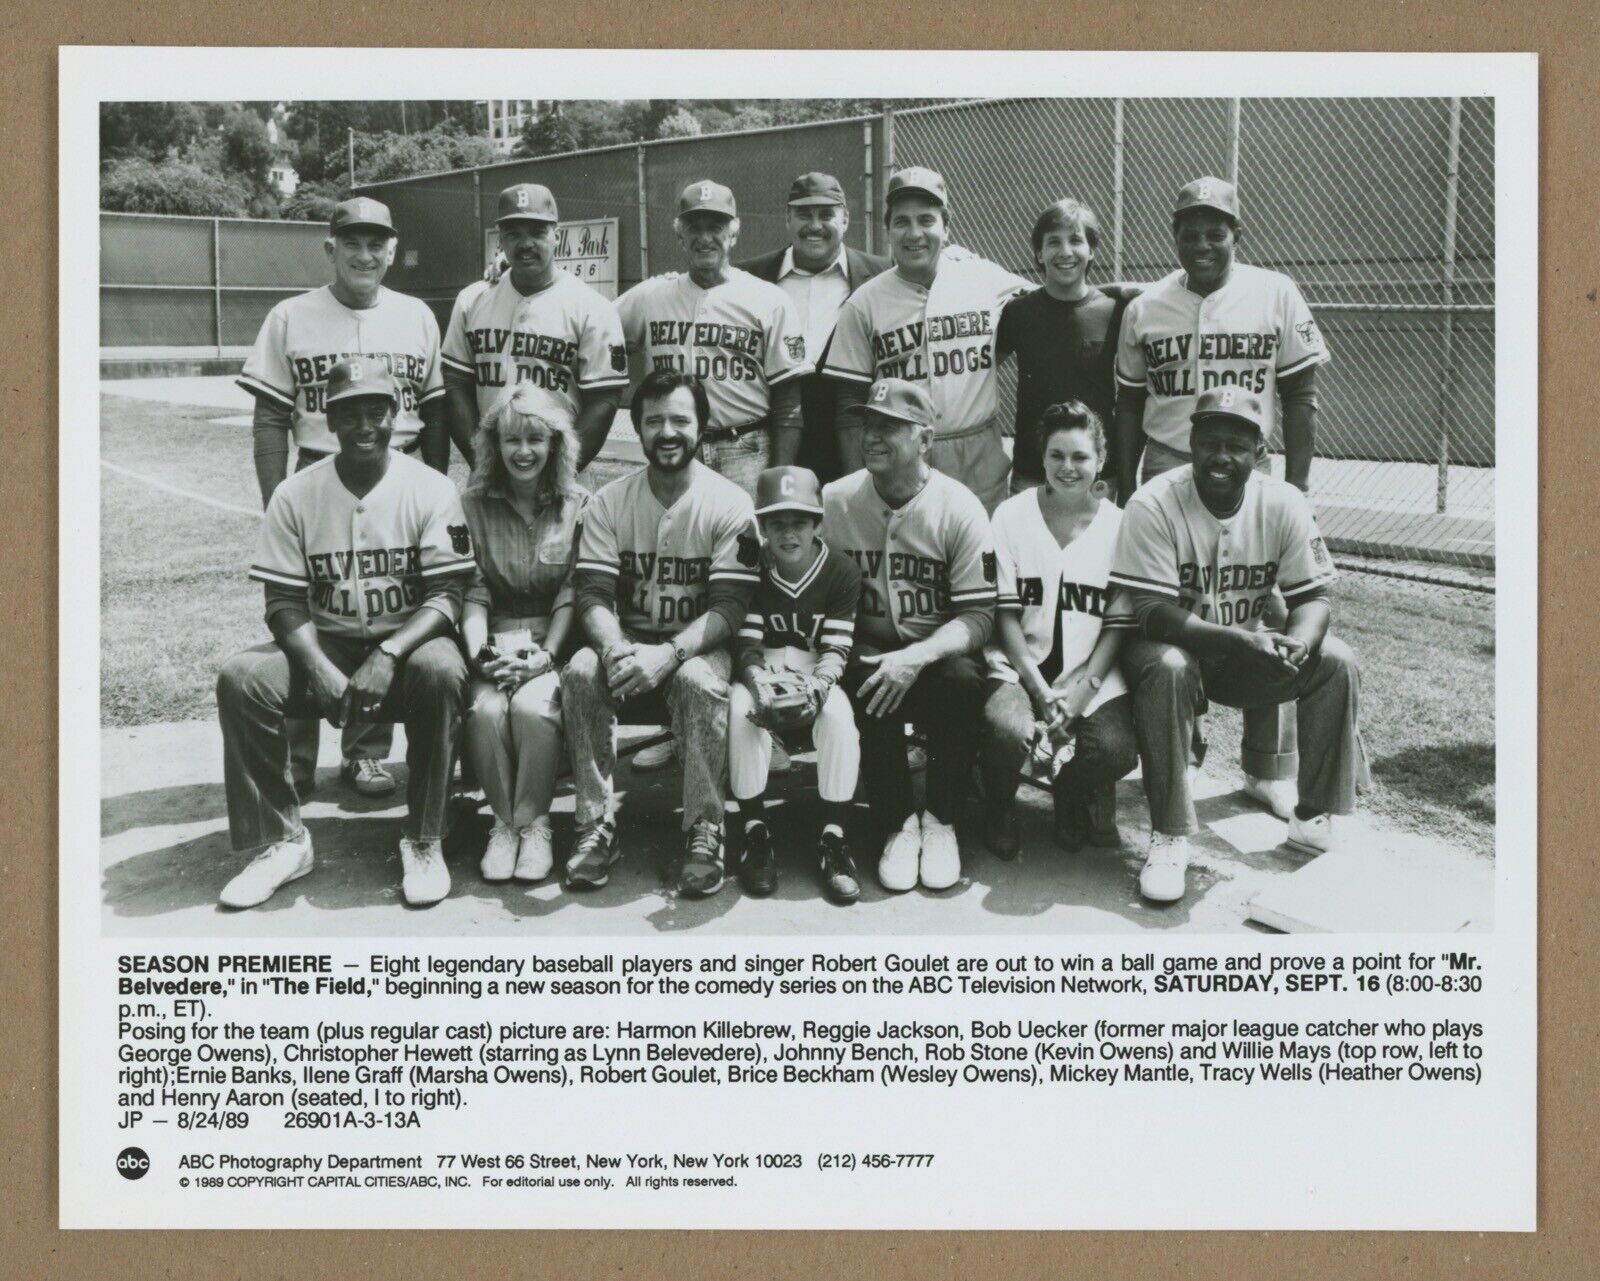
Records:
x=137, y=185
x=682, y=123
x=153, y=130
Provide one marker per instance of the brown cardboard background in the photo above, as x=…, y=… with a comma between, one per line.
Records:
x=1564, y=32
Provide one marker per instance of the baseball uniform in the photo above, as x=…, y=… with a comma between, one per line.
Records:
x=741, y=338
x=659, y=567
x=924, y=564
x=793, y=625
x=1250, y=332
x=305, y=336
x=566, y=339
x=943, y=338
x=1224, y=571
x=361, y=567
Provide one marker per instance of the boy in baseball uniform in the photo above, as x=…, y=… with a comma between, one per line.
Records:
x=802, y=622
x=930, y=321
x=1200, y=551
x=1213, y=323
x=287, y=373
x=534, y=324
x=364, y=558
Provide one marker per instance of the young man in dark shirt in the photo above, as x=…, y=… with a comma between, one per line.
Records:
x=1063, y=334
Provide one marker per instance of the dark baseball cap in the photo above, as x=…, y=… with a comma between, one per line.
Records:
x=1208, y=193
x=1231, y=402
x=361, y=212
x=788, y=489
x=916, y=179
x=361, y=376
x=901, y=400
x=816, y=189
x=708, y=197
x=526, y=200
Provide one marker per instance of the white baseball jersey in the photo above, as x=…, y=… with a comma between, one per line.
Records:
x=566, y=339
x=666, y=558
x=1222, y=570
x=1060, y=592
x=942, y=336
x=307, y=335
x=1249, y=333
x=363, y=562
x=741, y=338
x=921, y=564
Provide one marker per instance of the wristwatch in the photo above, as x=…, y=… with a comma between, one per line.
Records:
x=1094, y=681
x=680, y=653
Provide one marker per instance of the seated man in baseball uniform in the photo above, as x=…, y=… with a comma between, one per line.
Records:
x=1200, y=550
x=921, y=539
x=667, y=559
x=795, y=640
x=364, y=557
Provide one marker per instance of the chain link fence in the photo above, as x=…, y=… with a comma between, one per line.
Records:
x=176, y=282
x=1382, y=210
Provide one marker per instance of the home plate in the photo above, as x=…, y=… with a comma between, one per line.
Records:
x=1366, y=889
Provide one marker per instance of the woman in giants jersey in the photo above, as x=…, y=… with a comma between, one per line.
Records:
x=1054, y=669
x=522, y=505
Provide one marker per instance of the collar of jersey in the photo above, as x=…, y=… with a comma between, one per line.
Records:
x=806, y=579
x=787, y=267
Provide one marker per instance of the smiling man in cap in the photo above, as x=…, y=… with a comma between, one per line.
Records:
x=1199, y=553
x=364, y=558
x=534, y=325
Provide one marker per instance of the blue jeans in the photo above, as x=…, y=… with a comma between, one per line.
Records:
x=741, y=460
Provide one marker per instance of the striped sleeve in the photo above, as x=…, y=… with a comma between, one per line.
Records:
x=736, y=553
x=456, y=354
x=843, y=603
x=753, y=628
x=969, y=552
x=1005, y=562
x=266, y=370
x=597, y=538
x=1146, y=556
x=280, y=558
x=1304, y=568
x=433, y=374
x=445, y=540
x=849, y=353
x=1130, y=364
x=602, y=352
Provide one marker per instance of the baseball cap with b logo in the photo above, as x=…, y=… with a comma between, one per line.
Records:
x=361, y=212
x=788, y=489
x=361, y=376
x=1230, y=402
x=708, y=197
x=917, y=180
x=528, y=200
x=1208, y=193
x=900, y=400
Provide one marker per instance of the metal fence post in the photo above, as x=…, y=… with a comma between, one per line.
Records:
x=1234, y=114
x=644, y=219
x=888, y=140
x=869, y=180
x=1117, y=141
x=216, y=278
x=1447, y=291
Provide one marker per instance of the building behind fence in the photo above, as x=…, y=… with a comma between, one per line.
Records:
x=1381, y=209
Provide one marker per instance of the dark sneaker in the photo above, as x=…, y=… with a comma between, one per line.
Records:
x=589, y=864
x=702, y=872
x=837, y=870
x=1002, y=829
x=1102, y=808
x=758, y=865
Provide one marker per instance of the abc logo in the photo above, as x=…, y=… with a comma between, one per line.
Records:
x=132, y=1163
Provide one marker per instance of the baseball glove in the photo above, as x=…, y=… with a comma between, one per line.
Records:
x=784, y=699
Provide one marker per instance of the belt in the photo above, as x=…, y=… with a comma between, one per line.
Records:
x=715, y=434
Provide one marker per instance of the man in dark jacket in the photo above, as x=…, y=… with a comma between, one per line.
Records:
x=818, y=273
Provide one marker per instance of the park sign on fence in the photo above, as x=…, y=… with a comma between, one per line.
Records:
x=587, y=249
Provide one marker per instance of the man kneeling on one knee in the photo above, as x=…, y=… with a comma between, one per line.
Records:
x=1199, y=553
x=364, y=557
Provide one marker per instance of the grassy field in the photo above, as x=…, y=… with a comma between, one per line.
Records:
x=175, y=602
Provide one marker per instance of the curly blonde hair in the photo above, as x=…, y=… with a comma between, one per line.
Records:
x=525, y=406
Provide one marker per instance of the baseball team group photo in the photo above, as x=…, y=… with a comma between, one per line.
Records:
x=797, y=516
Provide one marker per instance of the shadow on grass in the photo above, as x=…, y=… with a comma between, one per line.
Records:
x=1458, y=776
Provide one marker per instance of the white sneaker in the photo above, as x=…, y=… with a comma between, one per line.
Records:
x=425, y=878
x=653, y=758
x=1166, y=867
x=781, y=764
x=902, y=853
x=278, y=864
x=941, y=854
x=534, y=856
x=1314, y=835
x=500, y=855
x=1280, y=795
